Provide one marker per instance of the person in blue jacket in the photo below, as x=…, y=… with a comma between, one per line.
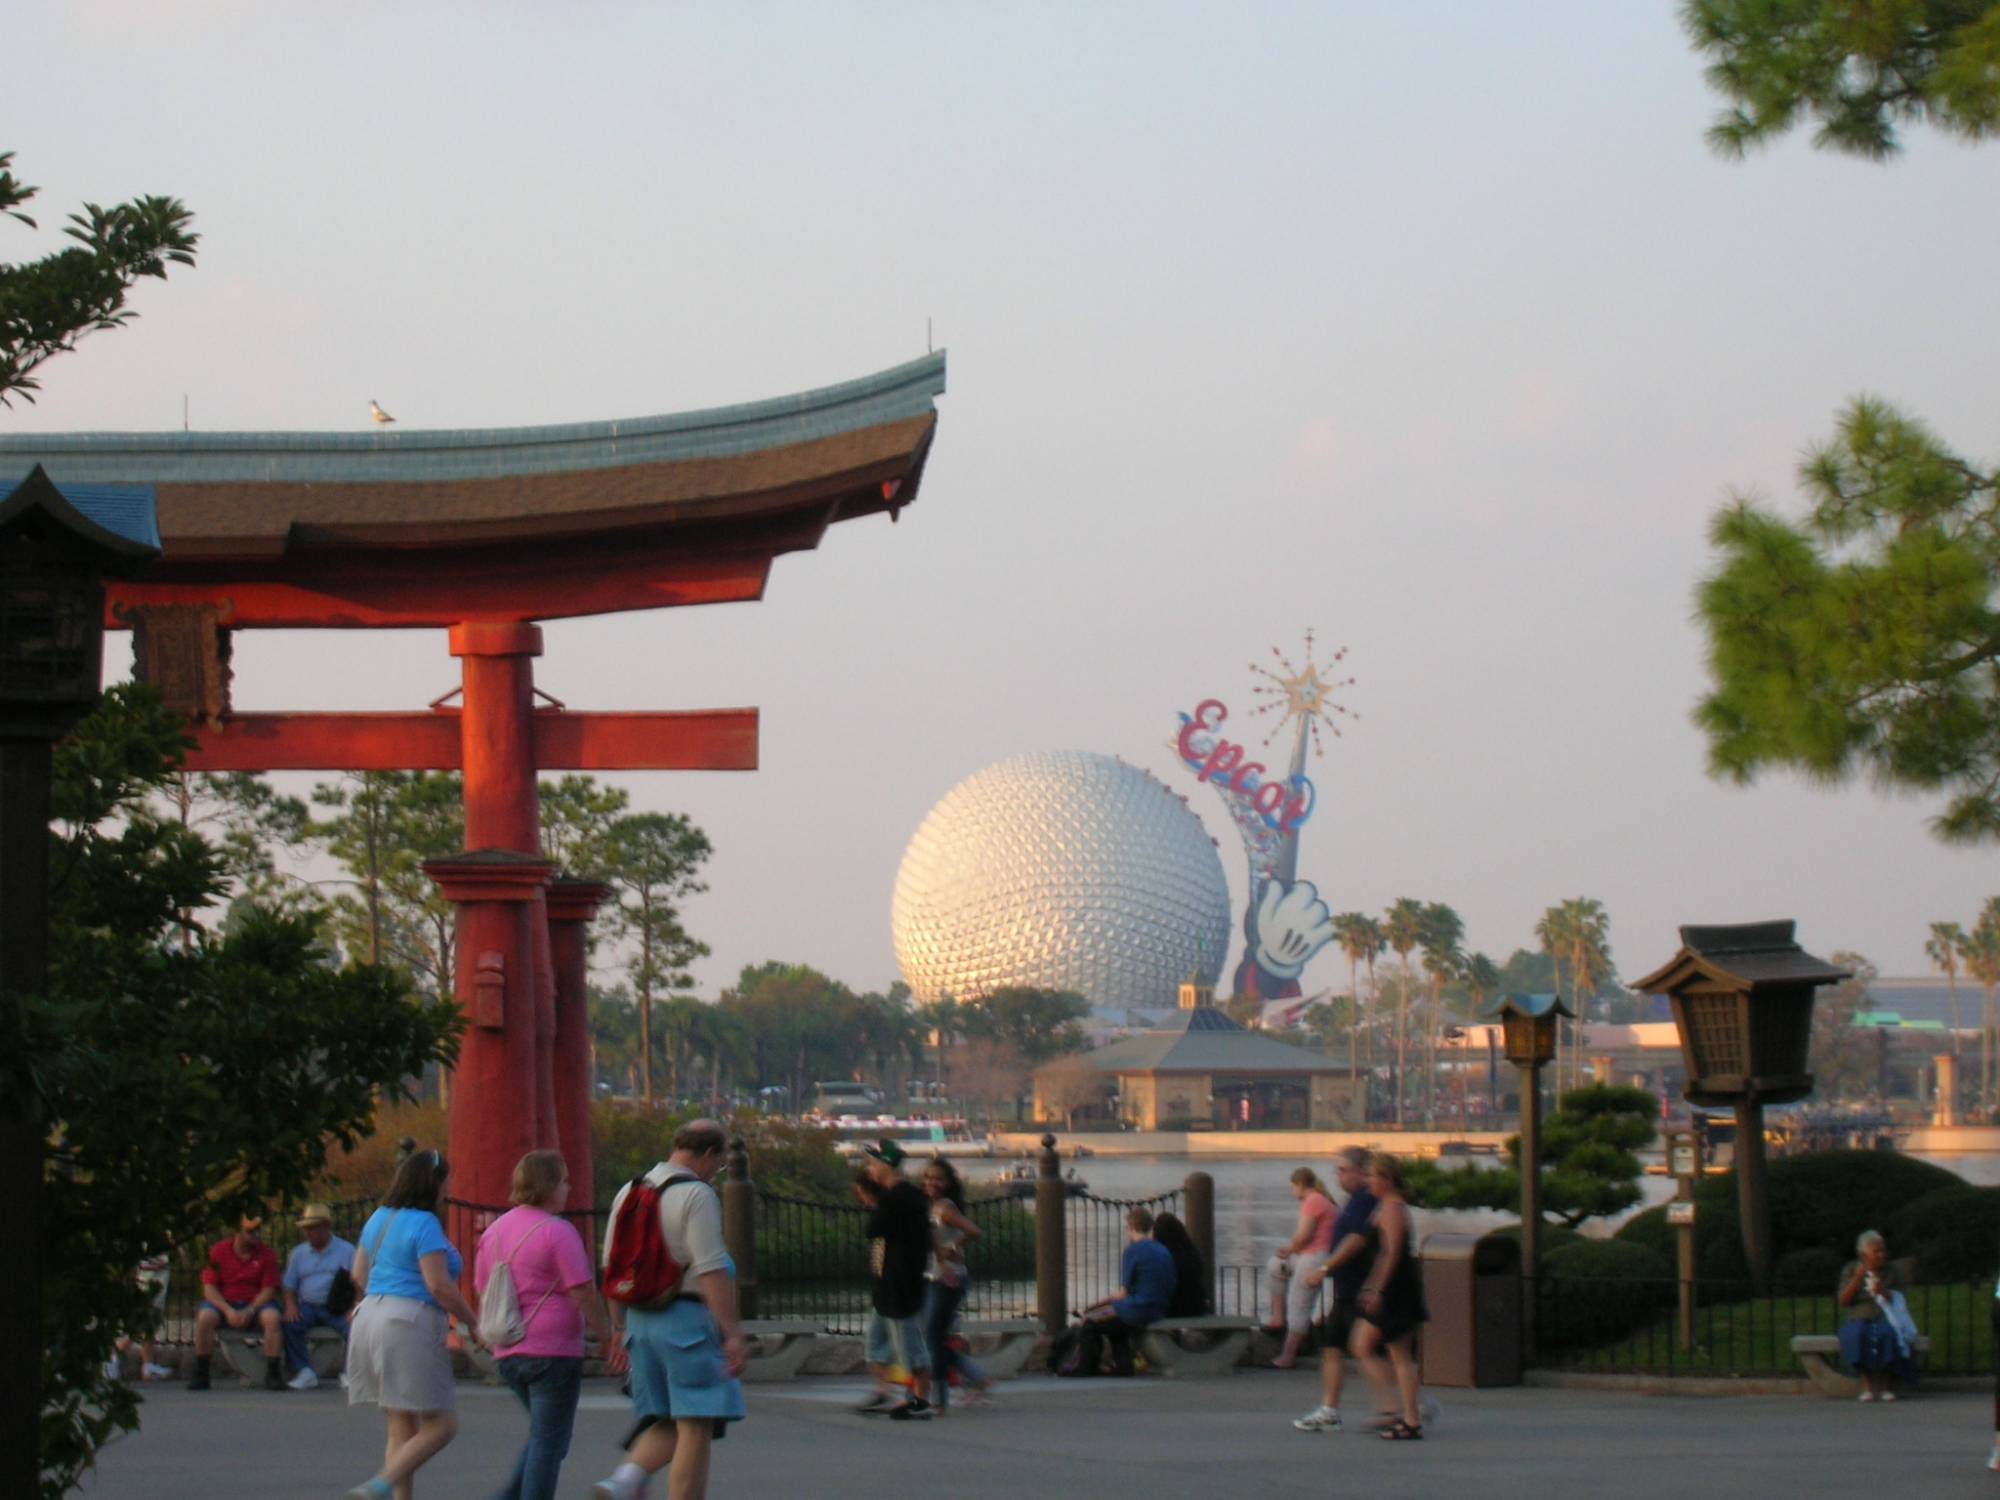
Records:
x=1147, y=1278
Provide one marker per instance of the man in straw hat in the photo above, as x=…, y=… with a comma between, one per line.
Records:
x=308, y=1284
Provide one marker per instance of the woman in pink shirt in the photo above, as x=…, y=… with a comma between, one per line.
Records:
x=1311, y=1242
x=557, y=1289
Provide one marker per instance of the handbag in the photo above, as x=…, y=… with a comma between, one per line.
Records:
x=340, y=1296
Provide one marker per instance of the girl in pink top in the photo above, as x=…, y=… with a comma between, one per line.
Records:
x=557, y=1288
x=1311, y=1242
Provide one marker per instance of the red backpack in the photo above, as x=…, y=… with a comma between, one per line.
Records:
x=639, y=1269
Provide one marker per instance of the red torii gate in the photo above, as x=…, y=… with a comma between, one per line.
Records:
x=483, y=533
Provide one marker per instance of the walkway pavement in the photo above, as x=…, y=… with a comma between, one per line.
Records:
x=1208, y=1440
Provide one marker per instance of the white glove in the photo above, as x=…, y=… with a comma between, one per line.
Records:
x=1292, y=925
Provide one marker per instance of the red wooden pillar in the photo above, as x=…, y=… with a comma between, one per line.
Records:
x=572, y=903
x=494, y=1113
x=503, y=1096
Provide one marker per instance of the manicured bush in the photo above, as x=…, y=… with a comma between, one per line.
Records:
x=1953, y=1234
x=1810, y=1271
x=1596, y=1291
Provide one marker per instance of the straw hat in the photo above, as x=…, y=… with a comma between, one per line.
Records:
x=315, y=1213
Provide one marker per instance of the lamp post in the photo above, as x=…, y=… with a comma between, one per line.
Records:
x=53, y=560
x=1528, y=1028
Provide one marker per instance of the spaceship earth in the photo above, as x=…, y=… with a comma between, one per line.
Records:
x=1061, y=870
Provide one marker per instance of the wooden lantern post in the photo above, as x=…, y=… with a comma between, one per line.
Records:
x=1528, y=1023
x=1742, y=998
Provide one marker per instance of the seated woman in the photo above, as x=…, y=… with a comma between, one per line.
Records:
x=1878, y=1337
x=1191, y=1290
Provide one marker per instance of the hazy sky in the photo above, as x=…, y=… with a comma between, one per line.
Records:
x=1434, y=327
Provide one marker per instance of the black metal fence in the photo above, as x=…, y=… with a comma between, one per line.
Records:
x=1631, y=1327
x=1096, y=1235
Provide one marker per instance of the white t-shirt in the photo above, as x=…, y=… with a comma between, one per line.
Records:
x=690, y=1220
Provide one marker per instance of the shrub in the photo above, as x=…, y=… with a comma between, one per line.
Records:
x=1814, y=1270
x=1952, y=1233
x=1599, y=1291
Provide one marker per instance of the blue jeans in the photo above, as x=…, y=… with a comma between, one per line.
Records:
x=940, y=1312
x=311, y=1315
x=548, y=1387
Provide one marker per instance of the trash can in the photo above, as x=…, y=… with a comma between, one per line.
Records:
x=1472, y=1284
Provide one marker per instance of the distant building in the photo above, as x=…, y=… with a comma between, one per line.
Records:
x=1201, y=1071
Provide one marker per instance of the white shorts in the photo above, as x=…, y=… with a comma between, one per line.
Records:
x=396, y=1356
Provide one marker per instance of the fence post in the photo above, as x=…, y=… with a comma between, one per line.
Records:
x=739, y=1225
x=1051, y=1241
x=1200, y=1206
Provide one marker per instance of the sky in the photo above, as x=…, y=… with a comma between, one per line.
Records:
x=1436, y=329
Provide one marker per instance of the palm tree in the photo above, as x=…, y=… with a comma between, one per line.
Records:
x=1442, y=929
x=1359, y=938
x=1402, y=930
x=1553, y=933
x=1980, y=953
x=1589, y=961
x=1946, y=941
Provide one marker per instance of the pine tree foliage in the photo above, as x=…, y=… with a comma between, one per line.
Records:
x=1858, y=67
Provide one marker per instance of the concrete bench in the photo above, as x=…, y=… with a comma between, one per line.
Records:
x=1197, y=1348
x=1813, y=1350
x=1012, y=1340
x=778, y=1346
x=243, y=1351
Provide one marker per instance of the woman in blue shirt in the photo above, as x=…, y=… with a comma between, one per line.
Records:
x=407, y=1272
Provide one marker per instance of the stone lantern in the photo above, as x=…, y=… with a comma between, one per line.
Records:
x=1742, y=999
x=1528, y=1028
x=53, y=559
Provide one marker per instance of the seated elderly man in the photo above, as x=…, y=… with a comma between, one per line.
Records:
x=239, y=1287
x=308, y=1280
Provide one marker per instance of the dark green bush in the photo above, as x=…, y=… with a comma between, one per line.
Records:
x=1952, y=1233
x=1811, y=1271
x=1554, y=1236
x=1599, y=1291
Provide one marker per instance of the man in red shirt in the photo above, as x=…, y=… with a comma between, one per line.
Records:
x=239, y=1286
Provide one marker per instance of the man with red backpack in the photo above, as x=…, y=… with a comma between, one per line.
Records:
x=672, y=1288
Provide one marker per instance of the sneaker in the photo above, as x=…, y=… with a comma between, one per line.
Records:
x=877, y=1404
x=1888, y=1395
x=615, y=1488
x=343, y=1380
x=372, y=1489
x=150, y=1371
x=1319, y=1419
x=306, y=1380
x=916, y=1409
x=1993, y=1459
x=1865, y=1396
x=1429, y=1410
x=199, y=1380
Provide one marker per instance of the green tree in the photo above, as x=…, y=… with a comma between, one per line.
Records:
x=186, y=1073
x=1442, y=929
x=945, y=1018
x=48, y=304
x=1980, y=953
x=1588, y=929
x=1037, y=1024
x=578, y=814
x=1402, y=931
x=1840, y=1055
x=653, y=860
x=250, y=822
x=1857, y=68
x=1590, y=1163
x=1860, y=640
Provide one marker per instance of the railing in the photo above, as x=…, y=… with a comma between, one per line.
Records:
x=1619, y=1327
x=184, y=1267
x=1097, y=1238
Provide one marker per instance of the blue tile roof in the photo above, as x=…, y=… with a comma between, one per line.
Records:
x=382, y=456
x=126, y=509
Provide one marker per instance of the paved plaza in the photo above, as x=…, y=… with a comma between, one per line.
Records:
x=1155, y=1439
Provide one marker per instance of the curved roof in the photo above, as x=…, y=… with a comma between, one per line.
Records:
x=389, y=527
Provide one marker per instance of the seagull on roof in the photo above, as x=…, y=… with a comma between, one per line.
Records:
x=382, y=418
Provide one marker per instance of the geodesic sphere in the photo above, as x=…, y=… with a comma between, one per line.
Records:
x=1061, y=870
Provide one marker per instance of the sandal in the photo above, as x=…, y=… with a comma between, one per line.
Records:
x=1400, y=1431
